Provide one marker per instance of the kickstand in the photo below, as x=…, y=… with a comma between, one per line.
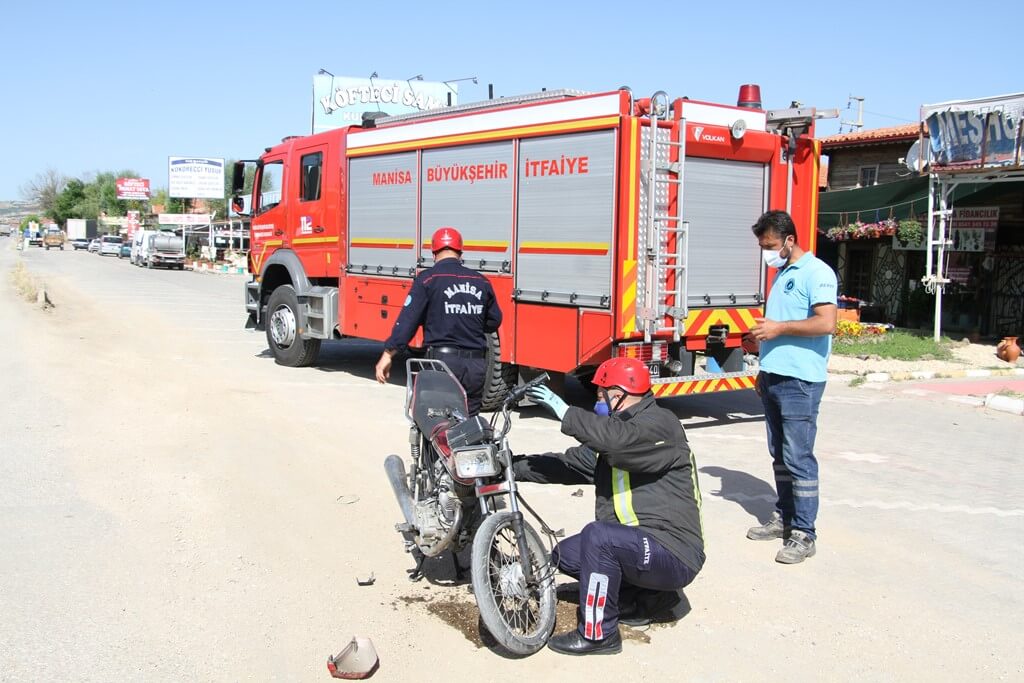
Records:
x=416, y=573
x=459, y=571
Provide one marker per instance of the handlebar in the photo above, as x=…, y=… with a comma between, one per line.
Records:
x=519, y=393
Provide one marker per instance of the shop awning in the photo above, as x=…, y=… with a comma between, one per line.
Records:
x=897, y=200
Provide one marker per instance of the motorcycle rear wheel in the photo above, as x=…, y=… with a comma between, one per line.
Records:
x=521, y=617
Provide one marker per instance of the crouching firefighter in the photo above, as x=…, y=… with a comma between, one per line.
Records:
x=646, y=542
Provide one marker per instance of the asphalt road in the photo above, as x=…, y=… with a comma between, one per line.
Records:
x=173, y=505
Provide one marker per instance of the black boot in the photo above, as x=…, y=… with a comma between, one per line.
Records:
x=572, y=643
x=656, y=607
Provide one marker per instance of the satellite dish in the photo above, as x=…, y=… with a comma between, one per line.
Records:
x=917, y=161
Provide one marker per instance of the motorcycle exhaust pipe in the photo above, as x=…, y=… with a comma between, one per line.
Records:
x=395, y=469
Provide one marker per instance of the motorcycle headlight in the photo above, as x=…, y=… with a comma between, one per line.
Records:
x=476, y=462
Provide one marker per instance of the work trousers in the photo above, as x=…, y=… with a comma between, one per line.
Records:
x=606, y=555
x=791, y=417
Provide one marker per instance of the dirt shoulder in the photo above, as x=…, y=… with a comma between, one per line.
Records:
x=966, y=356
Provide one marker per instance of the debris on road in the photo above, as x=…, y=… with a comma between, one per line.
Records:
x=368, y=581
x=357, y=661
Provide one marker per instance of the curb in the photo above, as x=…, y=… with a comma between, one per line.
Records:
x=207, y=268
x=1005, y=404
x=927, y=374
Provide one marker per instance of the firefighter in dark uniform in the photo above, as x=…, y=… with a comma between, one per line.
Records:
x=647, y=541
x=457, y=308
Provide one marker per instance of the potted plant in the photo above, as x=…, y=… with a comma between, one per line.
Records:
x=910, y=231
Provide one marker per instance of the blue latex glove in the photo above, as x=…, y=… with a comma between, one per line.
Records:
x=541, y=394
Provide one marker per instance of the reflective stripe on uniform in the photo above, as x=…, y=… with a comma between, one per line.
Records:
x=696, y=494
x=622, y=495
x=593, y=609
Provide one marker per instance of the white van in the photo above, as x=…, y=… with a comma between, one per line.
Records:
x=140, y=246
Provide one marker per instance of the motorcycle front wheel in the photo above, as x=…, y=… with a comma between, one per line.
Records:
x=519, y=615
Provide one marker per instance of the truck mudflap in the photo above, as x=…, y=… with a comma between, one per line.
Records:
x=252, y=304
x=665, y=387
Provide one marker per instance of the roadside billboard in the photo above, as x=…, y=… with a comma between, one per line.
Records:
x=195, y=177
x=340, y=101
x=183, y=218
x=974, y=133
x=133, y=223
x=132, y=188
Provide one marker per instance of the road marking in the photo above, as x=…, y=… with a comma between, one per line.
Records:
x=851, y=400
x=214, y=329
x=925, y=507
x=968, y=400
x=876, y=504
x=737, y=437
x=853, y=456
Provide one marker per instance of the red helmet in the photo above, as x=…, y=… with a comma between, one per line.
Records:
x=446, y=238
x=628, y=374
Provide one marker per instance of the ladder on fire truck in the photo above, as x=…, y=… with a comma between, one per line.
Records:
x=663, y=235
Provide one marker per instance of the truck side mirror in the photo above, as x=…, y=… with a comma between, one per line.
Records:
x=238, y=178
x=237, y=205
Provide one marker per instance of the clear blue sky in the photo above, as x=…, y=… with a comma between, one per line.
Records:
x=105, y=86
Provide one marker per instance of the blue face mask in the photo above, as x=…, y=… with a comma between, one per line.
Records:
x=601, y=408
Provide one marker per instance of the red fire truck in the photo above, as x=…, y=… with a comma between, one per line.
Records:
x=608, y=225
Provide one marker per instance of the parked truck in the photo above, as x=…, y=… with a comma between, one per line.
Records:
x=162, y=250
x=81, y=228
x=608, y=226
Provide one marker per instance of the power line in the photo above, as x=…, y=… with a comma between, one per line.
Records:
x=887, y=116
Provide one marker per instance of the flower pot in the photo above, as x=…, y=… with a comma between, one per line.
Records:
x=1008, y=350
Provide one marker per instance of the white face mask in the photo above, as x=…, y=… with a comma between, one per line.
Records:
x=774, y=259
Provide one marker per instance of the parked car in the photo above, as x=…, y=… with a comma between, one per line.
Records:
x=94, y=246
x=110, y=245
x=126, y=250
x=80, y=243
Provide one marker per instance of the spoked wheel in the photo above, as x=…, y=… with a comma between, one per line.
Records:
x=519, y=614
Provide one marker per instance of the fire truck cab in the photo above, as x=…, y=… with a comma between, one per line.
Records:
x=608, y=226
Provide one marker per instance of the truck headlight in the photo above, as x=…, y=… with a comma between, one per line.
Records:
x=475, y=462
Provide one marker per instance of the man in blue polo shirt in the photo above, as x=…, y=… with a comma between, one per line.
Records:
x=795, y=338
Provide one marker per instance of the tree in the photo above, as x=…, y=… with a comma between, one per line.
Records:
x=71, y=203
x=44, y=189
x=28, y=219
x=169, y=204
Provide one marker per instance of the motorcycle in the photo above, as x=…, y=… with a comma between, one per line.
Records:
x=459, y=475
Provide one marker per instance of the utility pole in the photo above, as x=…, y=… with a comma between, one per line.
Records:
x=859, y=123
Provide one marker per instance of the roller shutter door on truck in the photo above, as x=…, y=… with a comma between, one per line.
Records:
x=382, y=215
x=564, y=219
x=721, y=201
x=470, y=188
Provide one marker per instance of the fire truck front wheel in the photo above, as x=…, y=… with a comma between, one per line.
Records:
x=283, y=336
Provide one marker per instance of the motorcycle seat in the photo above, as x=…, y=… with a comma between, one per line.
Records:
x=434, y=395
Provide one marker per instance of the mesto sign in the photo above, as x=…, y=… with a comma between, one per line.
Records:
x=340, y=101
x=972, y=133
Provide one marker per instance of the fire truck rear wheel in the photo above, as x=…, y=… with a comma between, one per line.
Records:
x=500, y=378
x=287, y=345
